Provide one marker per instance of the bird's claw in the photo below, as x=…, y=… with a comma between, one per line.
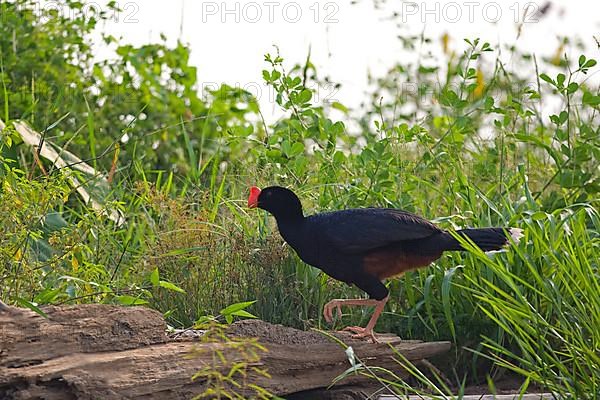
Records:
x=361, y=333
x=354, y=329
x=328, y=310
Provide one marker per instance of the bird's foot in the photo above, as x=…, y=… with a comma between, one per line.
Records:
x=330, y=307
x=361, y=333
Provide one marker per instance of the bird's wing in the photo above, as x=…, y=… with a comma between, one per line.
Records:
x=364, y=229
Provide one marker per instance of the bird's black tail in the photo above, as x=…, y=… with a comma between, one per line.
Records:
x=487, y=239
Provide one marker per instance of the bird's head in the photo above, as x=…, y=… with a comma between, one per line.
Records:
x=277, y=200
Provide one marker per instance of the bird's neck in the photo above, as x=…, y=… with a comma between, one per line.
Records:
x=291, y=228
x=289, y=217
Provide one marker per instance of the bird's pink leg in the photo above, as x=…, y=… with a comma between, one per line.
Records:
x=359, y=331
x=338, y=303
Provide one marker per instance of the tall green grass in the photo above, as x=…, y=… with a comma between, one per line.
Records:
x=546, y=303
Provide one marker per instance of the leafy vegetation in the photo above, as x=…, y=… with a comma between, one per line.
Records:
x=166, y=174
x=235, y=365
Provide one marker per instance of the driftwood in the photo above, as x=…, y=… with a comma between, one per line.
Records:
x=109, y=352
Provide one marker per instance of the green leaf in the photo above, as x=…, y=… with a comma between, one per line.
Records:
x=337, y=128
x=170, y=286
x=297, y=149
x=563, y=116
x=54, y=221
x=449, y=98
x=572, y=88
x=304, y=96
x=489, y=102
x=339, y=106
x=32, y=306
x=154, y=277
x=572, y=178
x=243, y=313
x=546, y=78
x=127, y=300
x=273, y=153
x=266, y=75
x=590, y=99
x=46, y=296
x=203, y=320
x=339, y=158
x=236, y=307
x=561, y=134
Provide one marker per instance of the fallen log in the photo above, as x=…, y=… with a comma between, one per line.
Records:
x=111, y=352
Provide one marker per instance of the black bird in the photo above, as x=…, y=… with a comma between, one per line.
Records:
x=364, y=246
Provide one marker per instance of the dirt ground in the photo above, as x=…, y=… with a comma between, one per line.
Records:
x=278, y=334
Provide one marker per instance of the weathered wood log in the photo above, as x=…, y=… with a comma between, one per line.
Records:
x=110, y=352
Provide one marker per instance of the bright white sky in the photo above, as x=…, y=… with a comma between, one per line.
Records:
x=228, y=39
